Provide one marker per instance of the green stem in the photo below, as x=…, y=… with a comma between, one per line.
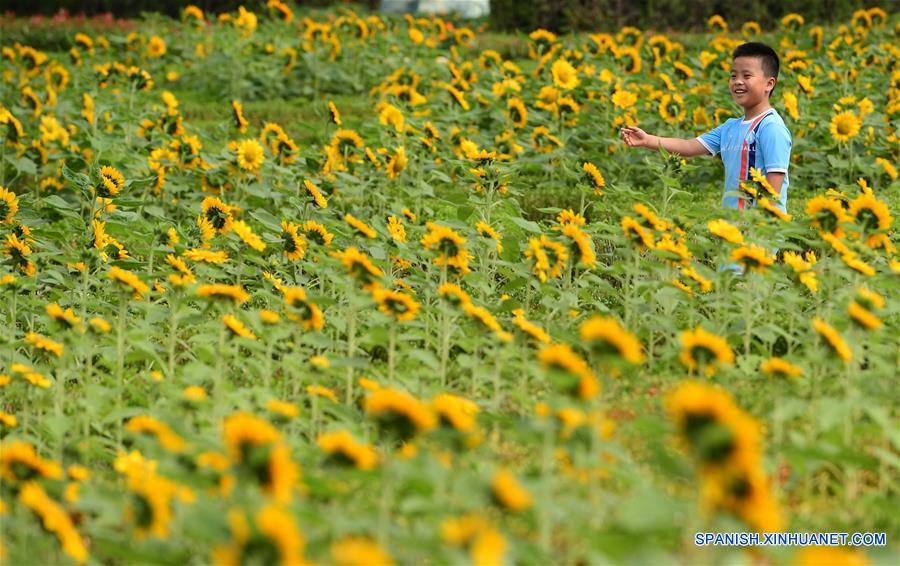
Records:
x=120, y=362
x=351, y=349
x=392, y=345
x=545, y=527
x=173, y=337
x=220, y=359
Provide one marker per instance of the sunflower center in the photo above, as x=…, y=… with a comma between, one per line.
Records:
x=865, y=217
x=316, y=237
x=290, y=244
x=702, y=355
x=216, y=217
x=710, y=439
x=143, y=512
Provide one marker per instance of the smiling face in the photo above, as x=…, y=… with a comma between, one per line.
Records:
x=749, y=84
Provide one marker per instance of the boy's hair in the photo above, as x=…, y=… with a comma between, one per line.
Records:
x=767, y=56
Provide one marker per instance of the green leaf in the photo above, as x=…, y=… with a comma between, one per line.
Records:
x=527, y=225
x=23, y=165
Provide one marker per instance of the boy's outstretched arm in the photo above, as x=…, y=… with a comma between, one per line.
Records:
x=636, y=137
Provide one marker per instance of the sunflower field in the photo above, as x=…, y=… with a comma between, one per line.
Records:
x=447, y=316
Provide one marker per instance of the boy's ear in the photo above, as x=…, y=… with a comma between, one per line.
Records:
x=771, y=82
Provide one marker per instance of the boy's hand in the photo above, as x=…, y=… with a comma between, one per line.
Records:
x=635, y=137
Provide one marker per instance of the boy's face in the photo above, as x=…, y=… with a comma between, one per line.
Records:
x=749, y=84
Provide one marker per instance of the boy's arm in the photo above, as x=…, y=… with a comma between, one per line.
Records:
x=775, y=151
x=636, y=137
x=775, y=180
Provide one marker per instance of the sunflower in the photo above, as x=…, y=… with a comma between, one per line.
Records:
x=582, y=244
x=870, y=213
x=234, y=293
x=726, y=231
x=294, y=244
x=396, y=304
x=248, y=236
x=398, y=413
x=639, y=235
x=853, y=262
x=861, y=308
x=818, y=555
x=250, y=154
x=673, y=249
x=390, y=115
x=569, y=371
x=517, y=112
x=55, y=519
x=397, y=163
x=217, y=214
x=631, y=59
x=111, y=182
x=243, y=431
x=360, y=226
x=276, y=538
x=889, y=169
x=486, y=320
x=827, y=214
x=544, y=260
x=671, y=108
x=168, y=438
x=456, y=412
x=359, y=551
x=347, y=143
x=9, y=205
x=566, y=105
x=712, y=427
x=778, y=367
x=803, y=268
x=317, y=233
x=753, y=257
x=790, y=104
x=206, y=256
x=547, y=98
x=457, y=95
x=564, y=75
x=844, y=126
x=833, y=338
x=508, y=492
x=43, y=343
x=315, y=193
x=301, y=309
x=283, y=409
x=773, y=209
x=128, y=281
x=595, y=177
x=238, y=328
x=449, y=245
x=66, y=317
x=359, y=265
x=704, y=351
x=487, y=231
x=20, y=462
x=31, y=376
x=607, y=337
x=623, y=99
x=454, y=294
x=745, y=492
x=237, y=113
x=690, y=274
x=343, y=449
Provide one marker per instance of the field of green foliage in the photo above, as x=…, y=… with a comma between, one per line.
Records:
x=341, y=288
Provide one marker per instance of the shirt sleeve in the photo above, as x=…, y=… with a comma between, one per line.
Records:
x=775, y=146
x=712, y=140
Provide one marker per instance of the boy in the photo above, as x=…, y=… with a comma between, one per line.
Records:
x=759, y=139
